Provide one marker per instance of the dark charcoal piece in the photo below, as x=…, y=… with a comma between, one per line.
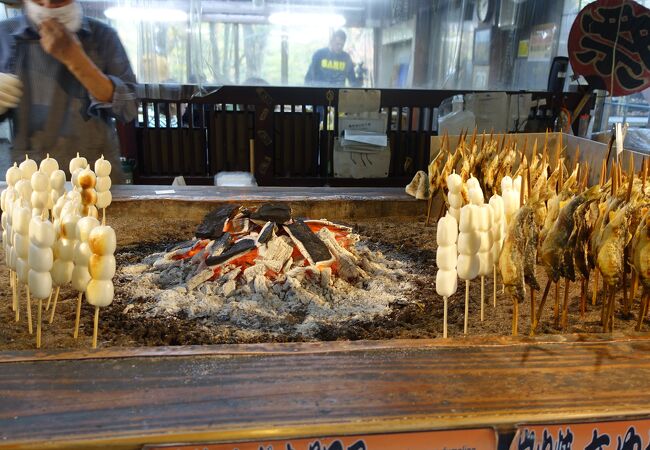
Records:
x=181, y=245
x=266, y=233
x=239, y=248
x=213, y=222
x=220, y=245
x=272, y=212
x=316, y=248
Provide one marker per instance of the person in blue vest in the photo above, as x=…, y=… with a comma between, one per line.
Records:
x=331, y=66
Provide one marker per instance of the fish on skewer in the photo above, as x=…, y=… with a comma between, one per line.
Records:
x=519, y=254
x=557, y=251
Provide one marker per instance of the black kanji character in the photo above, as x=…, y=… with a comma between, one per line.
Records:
x=598, y=442
x=632, y=441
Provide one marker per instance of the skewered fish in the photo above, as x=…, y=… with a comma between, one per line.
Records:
x=641, y=251
x=519, y=254
x=557, y=249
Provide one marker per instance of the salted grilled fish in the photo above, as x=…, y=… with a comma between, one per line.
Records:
x=641, y=251
x=519, y=254
x=557, y=249
x=584, y=218
x=611, y=245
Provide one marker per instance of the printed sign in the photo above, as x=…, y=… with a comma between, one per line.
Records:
x=623, y=435
x=603, y=26
x=477, y=439
x=542, y=38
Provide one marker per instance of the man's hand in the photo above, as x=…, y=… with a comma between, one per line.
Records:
x=11, y=90
x=57, y=41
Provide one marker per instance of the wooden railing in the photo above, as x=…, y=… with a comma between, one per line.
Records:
x=284, y=134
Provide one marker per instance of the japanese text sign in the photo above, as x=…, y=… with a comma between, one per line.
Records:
x=623, y=435
x=612, y=34
x=476, y=439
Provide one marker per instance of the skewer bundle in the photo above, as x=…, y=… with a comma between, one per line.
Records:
x=446, y=260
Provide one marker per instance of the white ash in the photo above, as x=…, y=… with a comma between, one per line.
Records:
x=299, y=302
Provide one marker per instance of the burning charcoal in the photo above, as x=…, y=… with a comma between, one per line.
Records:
x=240, y=247
x=180, y=245
x=272, y=212
x=199, y=278
x=220, y=245
x=259, y=284
x=266, y=233
x=311, y=247
x=251, y=272
x=228, y=288
x=278, y=251
x=240, y=225
x=213, y=222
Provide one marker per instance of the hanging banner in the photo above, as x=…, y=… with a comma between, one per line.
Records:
x=477, y=439
x=612, y=34
x=621, y=435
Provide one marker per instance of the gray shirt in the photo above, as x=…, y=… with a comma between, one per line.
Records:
x=56, y=114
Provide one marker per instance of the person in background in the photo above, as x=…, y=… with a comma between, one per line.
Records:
x=331, y=66
x=64, y=79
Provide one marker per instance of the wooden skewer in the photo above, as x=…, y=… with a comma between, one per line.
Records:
x=47, y=306
x=17, y=300
x=546, y=141
x=540, y=309
x=56, y=298
x=532, y=312
x=604, y=308
x=515, y=316
x=466, y=306
x=565, y=309
x=645, y=173
x=95, y=326
x=482, y=295
x=13, y=291
x=78, y=316
x=583, y=296
x=576, y=162
x=29, y=312
x=494, y=287
x=635, y=285
x=103, y=216
x=557, y=304
x=612, y=309
x=642, y=311
x=630, y=175
x=444, y=326
x=603, y=173
x=38, y=325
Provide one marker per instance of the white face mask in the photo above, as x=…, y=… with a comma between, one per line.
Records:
x=69, y=16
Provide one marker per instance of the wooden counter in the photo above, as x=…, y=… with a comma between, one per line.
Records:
x=124, y=398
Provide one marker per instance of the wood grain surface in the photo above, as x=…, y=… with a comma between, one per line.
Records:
x=123, y=399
